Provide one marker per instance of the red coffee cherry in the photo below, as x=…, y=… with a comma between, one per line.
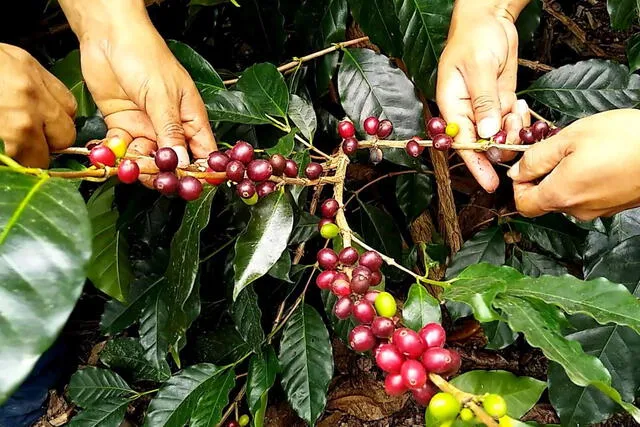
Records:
x=166, y=183
x=291, y=169
x=454, y=366
x=385, y=128
x=413, y=374
x=242, y=152
x=500, y=137
x=343, y=308
x=436, y=126
x=372, y=260
x=442, y=142
x=341, y=288
x=433, y=335
x=265, y=188
x=371, y=296
x=259, y=170
x=128, y=171
x=394, y=385
x=409, y=342
x=364, y=312
x=360, y=284
x=189, y=188
x=423, y=395
x=278, y=163
x=101, y=155
x=313, y=170
x=361, y=339
x=527, y=136
x=325, y=279
x=371, y=125
x=540, y=130
x=350, y=146
x=382, y=327
x=327, y=259
x=389, y=358
x=553, y=132
x=437, y=360
x=235, y=171
x=346, y=129
x=414, y=149
x=246, y=189
x=348, y=256
x=217, y=161
x=376, y=278
x=329, y=208
x=363, y=271
x=166, y=159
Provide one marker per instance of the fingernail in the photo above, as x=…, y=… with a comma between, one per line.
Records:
x=522, y=107
x=183, y=156
x=514, y=171
x=488, y=127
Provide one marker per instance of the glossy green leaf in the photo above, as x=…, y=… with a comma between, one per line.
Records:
x=305, y=228
x=176, y=402
x=266, y=20
x=2, y=146
x=553, y=233
x=424, y=25
x=420, y=308
x=306, y=361
x=263, y=241
x=198, y=68
x=224, y=345
x=126, y=355
x=520, y=393
x=90, y=386
x=499, y=335
x=379, y=21
x=45, y=247
x=382, y=231
x=154, y=325
x=303, y=116
x=586, y=88
x=622, y=13
x=117, y=316
x=284, y=145
x=633, y=52
x=535, y=265
x=109, y=269
x=69, y=72
x=89, y=128
x=414, y=193
x=529, y=21
x=479, y=294
x=264, y=84
x=340, y=327
x=369, y=85
x=247, y=315
x=263, y=368
x=486, y=246
x=214, y=399
x=105, y=413
x=282, y=267
x=232, y=106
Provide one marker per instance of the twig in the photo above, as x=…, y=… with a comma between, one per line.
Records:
x=378, y=179
x=233, y=406
x=286, y=128
x=535, y=65
x=477, y=146
x=539, y=117
x=338, y=194
x=574, y=28
x=464, y=398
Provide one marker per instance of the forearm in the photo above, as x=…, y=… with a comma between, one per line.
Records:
x=87, y=16
x=509, y=9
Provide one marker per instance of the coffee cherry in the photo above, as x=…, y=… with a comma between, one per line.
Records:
x=325, y=279
x=323, y=222
x=409, y=342
x=350, y=146
x=291, y=169
x=327, y=259
x=313, y=170
x=433, y=335
x=382, y=327
x=217, y=161
x=235, y=171
x=246, y=188
x=166, y=183
x=166, y=159
x=452, y=129
x=437, y=360
x=385, y=128
x=375, y=155
x=244, y=420
x=346, y=129
x=540, y=130
x=242, y=152
x=361, y=339
x=101, y=155
x=466, y=414
x=348, y=256
x=329, y=208
x=233, y=424
x=413, y=149
x=371, y=125
x=444, y=406
x=393, y=385
x=251, y=200
x=424, y=394
x=128, y=171
x=376, y=278
x=454, y=366
x=214, y=181
x=442, y=142
x=436, y=126
x=117, y=145
x=265, y=188
x=343, y=308
x=259, y=170
x=360, y=284
x=495, y=405
x=189, y=188
x=278, y=163
x=389, y=358
x=413, y=374
x=329, y=231
x=385, y=304
x=372, y=260
x=553, y=132
x=341, y=276
x=341, y=288
x=527, y=136
x=371, y=296
x=363, y=271
x=364, y=312
x=500, y=137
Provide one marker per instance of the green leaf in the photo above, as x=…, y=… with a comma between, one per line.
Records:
x=382, y=232
x=420, y=308
x=633, y=53
x=2, y=146
x=370, y=86
x=586, y=88
x=306, y=360
x=535, y=265
x=106, y=413
x=45, y=247
x=214, y=399
x=305, y=229
x=499, y=335
x=263, y=241
x=486, y=246
x=247, y=315
x=520, y=393
x=89, y=128
x=414, y=193
x=303, y=116
x=263, y=368
x=340, y=327
x=231, y=106
x=117, y=316
x=552, y=233
x=424, y=25
x=198, y=68
x=109, y=269
x=379, y=21
x=224, y=345
x=529, y=21
x=264, y=84
x=622, y=13
x=176, y=402
x=90, y=386
x=479, y=294
x=154, y=323
x=127, y=356
x=69, y=72
x=285, y=145
x=282, y=267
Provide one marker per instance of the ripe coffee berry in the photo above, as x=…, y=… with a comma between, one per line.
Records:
x=329, y=231
x=385, y=128
x=214, y=181
x=372, y=296
x=166, y=183
x=166, y=159
x=259, y=170
x=500, y=137
x=217, y=161
x=376, y=278
x=540, y=130
x=393, y=385
x=117, y=145
x=371, y=125
x=424, y=394
x=436, y=126
x=278, y=163
x=242, y=152
x=413, y=374
x=348, y=256
x=454, y=366
x=442, y=142
x=346, y=129
x=413, y=149
x=323, y=222
x=101, y=155
x=291, y=169
x=341, y=288
x=372, y=260
x=389, y=358
x=233, y=423
x=452, y=129
x=343, y=308
x=265, y=188
x=235, y=171
x=553, y=132
x=325, y=279
x=361, y=339
x=360, y=284
x=437, y=360
x=350, y=146
x=364, y=312
x=363, y=271
x=246, y=189
x=329, y=208
x=382, y=327
x=128, y=171
x=385, y=304
x=189, y=188
x=313, y=170
x=327, y=259
x=409, y=342
x=433, y=335
x=527, y=136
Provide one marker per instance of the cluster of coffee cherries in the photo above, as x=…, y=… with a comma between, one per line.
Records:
x=240, y=422
x=327, y=226
x=374, y=127
x=537, y=132
x=445, y=408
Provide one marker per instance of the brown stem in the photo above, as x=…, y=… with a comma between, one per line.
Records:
x=535, y=65
x=338, y=194
x=476, y=146
x=233, y=406
x=464, y=398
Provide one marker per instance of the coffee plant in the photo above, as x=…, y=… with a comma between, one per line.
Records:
x=226, y=282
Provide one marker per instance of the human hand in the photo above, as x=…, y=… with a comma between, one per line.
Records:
x=36, y=109
x=477, y=82
x=590, y=169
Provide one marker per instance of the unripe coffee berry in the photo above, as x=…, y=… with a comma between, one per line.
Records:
x=117, y=146
x=436, y=126
x=278, y=163
x=444, y=406
x=346, y=129
x=394, y=385
x=128, y=171
x=385, y=304
x=364, y=312
x=442, y=142
x=433, y=335
x=244, y=420
x=371, y=125
x=217, y=161
x=242, y=151
x=325, y=279
x=327, y=259
x=251, y=200
x=361, y=339
x=348, y=256
x=343, y=308
x=313, y=170
x=389, y=358
x=372, y=260
x=265, y=188
x=382, y=327
x=101, y=155
x=189, y=188
x=323, y=222
x=452, y=129
x=259, y=170
x=413, y=374
x=329, y=208
x=495, y=405
x=235, y=171
x=385, y=128
x=166, y=159
x=341, y=288
x=329, y=231
x=291, y=169
x=166, y=183
x=246, y=189
x=375, y=155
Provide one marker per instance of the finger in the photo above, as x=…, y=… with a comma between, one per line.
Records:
x=477, y=163
x=196, y=124
x=59, y=128
x=541, y=159
x=521, y=108
x=512, y=125
x=34, y=152
x=59, y=91
x=481, y=78
x=143, y=147
x=531, y=200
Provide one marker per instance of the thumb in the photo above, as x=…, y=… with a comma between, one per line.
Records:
x=163, y=108
x=541, y=159
x=483, y=90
